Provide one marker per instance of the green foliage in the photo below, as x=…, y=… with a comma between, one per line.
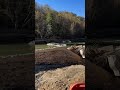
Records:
x=53, y=24
x=48, y=18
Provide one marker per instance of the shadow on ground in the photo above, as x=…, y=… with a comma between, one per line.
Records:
x=45, y=67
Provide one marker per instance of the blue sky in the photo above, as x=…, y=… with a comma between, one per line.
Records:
x=75, y=6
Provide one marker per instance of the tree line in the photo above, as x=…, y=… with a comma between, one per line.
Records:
x=50, y=24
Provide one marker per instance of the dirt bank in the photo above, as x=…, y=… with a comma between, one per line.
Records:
x=60, y=78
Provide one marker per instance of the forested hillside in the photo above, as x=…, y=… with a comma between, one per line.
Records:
x=57, y=25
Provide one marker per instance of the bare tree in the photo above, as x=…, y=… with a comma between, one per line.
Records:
x=40, y=24
x=15, y=9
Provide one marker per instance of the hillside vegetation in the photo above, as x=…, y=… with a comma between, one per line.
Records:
x=52, y=24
